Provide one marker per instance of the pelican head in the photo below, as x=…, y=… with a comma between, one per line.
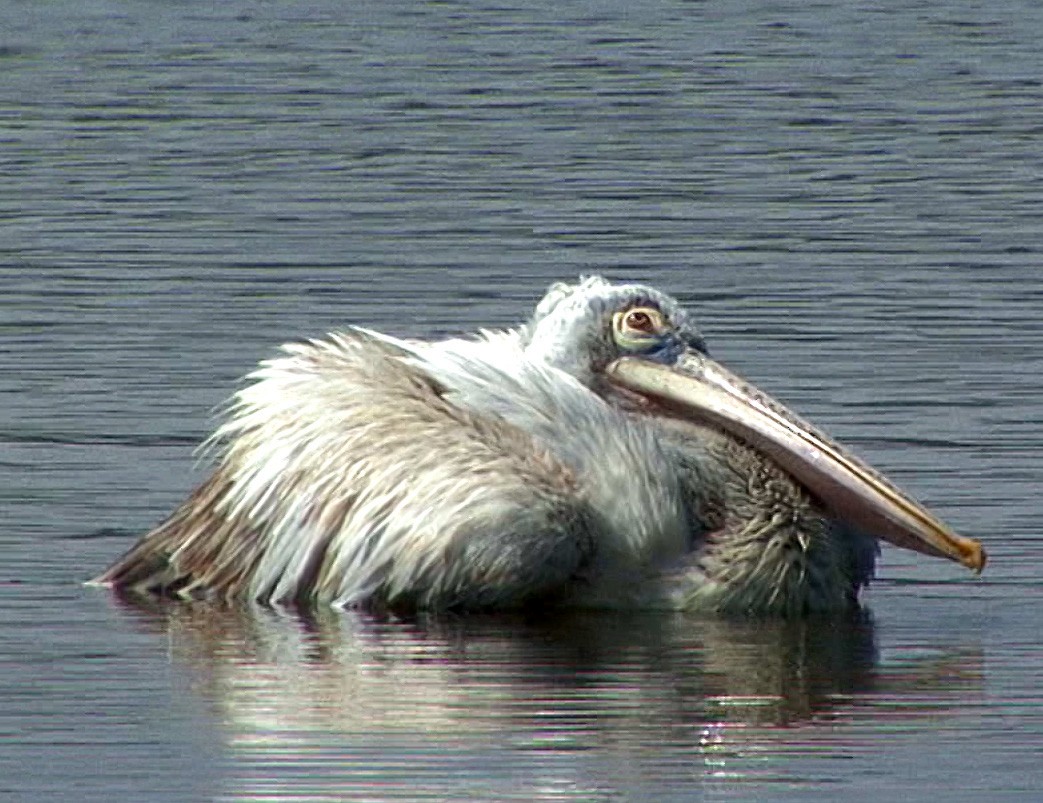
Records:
x=596, y=455
x=582, y=328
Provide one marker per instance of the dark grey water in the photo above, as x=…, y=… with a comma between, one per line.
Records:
x=850, y=195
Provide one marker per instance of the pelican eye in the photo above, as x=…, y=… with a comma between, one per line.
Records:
x=638, y=328
x=639, y=320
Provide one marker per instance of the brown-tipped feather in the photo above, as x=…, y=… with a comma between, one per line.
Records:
x=194, y=552
x=384, y=430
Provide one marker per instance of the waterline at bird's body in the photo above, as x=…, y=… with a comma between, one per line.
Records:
x=577, y=460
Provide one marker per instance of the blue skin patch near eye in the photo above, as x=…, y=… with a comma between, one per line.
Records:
x=666, y=350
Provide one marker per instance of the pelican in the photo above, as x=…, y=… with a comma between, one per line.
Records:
x=594, y=456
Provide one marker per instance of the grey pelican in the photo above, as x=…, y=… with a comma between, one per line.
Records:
x=595, y=456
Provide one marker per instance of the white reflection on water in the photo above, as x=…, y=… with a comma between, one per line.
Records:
x=344, y=706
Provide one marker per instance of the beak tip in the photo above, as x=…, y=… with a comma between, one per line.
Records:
x=974, y=556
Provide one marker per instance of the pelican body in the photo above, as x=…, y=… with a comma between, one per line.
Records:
x=595, y=456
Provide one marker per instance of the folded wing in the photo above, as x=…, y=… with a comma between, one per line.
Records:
x=347, y=474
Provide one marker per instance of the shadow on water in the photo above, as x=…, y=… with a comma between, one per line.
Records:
x=348, y=690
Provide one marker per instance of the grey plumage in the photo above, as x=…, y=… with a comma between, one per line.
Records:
x=496, y=472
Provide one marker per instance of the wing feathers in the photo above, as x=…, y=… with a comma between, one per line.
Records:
x=345, y=474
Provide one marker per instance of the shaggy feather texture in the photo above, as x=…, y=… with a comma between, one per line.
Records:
x=361, y=469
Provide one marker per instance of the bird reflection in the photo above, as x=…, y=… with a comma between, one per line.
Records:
x=369, y=697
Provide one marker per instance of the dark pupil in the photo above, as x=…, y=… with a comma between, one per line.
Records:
x=639, y=320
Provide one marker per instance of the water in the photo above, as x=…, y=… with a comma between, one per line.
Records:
x=848, y=195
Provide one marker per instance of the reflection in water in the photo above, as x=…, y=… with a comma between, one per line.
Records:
x=332, y=704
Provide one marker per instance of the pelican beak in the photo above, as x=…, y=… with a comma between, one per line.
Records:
x=696, y=386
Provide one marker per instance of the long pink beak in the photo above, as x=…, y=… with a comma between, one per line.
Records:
x=854, y=492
